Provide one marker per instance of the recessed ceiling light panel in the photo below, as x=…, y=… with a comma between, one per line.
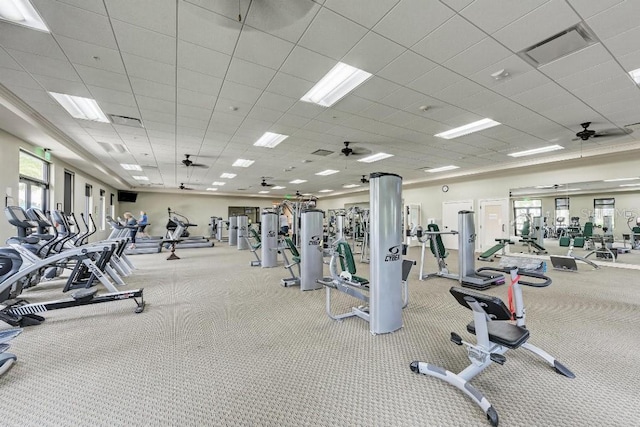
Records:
x=350, y=186
x=537, y=151
x=375, y=157
x=21, y=12
x=442, y=169
x=218, y=183
x=467, y=129
x=243, y=163
x=141, y=178
x=338, y=82
x=131, y=167
x=327, y=172
x=297, y=181
x=270, y=140
x=80, y=108
x=228, y=175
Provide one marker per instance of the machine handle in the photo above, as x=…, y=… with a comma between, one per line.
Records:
x=546, y=280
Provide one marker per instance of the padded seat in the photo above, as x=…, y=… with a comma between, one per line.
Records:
x=504, y=333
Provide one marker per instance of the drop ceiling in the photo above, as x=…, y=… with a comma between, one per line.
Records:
x=207, y=84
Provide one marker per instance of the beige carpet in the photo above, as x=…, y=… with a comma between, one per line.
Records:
x=223, y=344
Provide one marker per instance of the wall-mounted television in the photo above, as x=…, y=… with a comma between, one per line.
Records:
x=127, y=196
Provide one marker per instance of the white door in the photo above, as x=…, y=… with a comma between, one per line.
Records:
x=450, y=221
x=493, y=222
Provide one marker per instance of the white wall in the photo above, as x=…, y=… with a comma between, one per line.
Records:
x=199, y=208
x=9, y=178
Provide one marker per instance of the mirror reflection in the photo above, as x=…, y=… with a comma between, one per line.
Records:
x=599, y=220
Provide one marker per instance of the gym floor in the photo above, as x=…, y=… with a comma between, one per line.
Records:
x=222, y=343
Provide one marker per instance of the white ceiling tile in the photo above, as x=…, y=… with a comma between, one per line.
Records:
x=91, y=55
x=478, y=57
x=202, y=60
x=448, y=40
x=435, y=80
x=629, y=62
x=238, y=92
x=10, y=77
x=352, y=104
x=588, y=8
x=153, y=89
x=411, y=20
x=615, y=20
x=96, y=6
x=145, y=43
x=149, y=70
x=154, y=104
x=53, y=84
x=112, y=96
x=196, y=99
x=197, y=25
x=157, y=116
x=372, y=53
x=406, y=68
x=262, y=48
x=76, y=23
x=332, y=35
x=288, y=22
x=6, y=61
x=197, y=82
x=605, y=86
x=35, y=95
x=457, y=5
x=102, y=78
x=275, y=102
x=622, y=43
x=293, y=121
x=492, y=15
x=307, y=65
x=513, y=64
x=377, y=111
x=477, y=101
x=27, y=40
x=520, y=83
x=250, y=74
x=547, y=20
x=45, y=66
x=456, y=92
x=365, y=12
x=592, y=75
x=287, y=85
x=405, y=97
x=155, y=15
x=375, y=89
x=577, y=62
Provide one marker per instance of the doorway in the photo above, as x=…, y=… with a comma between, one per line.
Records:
x=493, y=220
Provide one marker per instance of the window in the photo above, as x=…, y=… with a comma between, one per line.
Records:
x=112, y=209
x=88, y=207
x=562, y=211
x=604, y=212
x=102, y=213
x=67, y=205
x=33, y=186
x=523, y=210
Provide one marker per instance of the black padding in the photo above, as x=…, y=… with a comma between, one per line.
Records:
x=504, y=333
x=493, y=306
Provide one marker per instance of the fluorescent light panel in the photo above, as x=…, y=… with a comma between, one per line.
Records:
x=635, y=75
x=263, y=192
x=467, y=129
x=297, y=181
x=228, y=175
x=278, y=187
x=375, y=157
x=325, y=191
x=442, y=169
x=327, y=172
x=141, y=178
x=270, y=140
x=212, y=189
x=629, y=185
x=338, y=82
x=81, y=108
x=540, y=150
x=621, y=179
x=130, y=167
x=21, y=12
x=243, y=163
x=218, y=183
x=351, y=185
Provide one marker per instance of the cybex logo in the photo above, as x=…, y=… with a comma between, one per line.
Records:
x=315, y=241
x=472, y=238
x=271, y=233
x=394, y=253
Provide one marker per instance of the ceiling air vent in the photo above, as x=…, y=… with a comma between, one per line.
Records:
x=572, y=40
x=322, y=152
x=125, y=121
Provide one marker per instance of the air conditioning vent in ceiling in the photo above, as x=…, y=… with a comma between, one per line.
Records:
x=125, y=121
x=322, y=152
x=567, y=42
